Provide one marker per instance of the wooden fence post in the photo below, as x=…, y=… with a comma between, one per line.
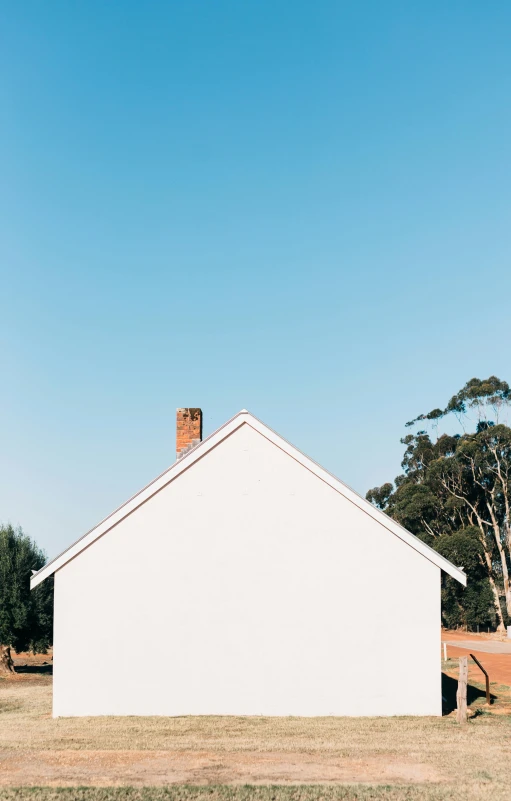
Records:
x=461, y=695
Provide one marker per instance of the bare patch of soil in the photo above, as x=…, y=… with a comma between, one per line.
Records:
x=157, y=768
x=27, y=663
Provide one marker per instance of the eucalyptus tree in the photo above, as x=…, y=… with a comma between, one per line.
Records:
x=459, y=484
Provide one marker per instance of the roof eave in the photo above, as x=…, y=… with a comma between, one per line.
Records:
x=200, y=450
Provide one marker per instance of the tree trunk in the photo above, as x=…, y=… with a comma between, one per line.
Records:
x=507, y=587
x=504, y=483
x=496, y=597
x=508, y=543
x=503, y=560
x=6, y=663
x=487, y=556
x=498, y=608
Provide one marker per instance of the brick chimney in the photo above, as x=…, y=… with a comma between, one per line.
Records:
x=188, y=430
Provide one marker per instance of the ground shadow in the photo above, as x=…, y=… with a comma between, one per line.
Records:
x=449, y=687
x=43, y=669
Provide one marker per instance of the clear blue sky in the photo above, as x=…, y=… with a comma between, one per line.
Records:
x=299, y=208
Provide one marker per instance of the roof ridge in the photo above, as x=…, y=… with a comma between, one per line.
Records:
x=200, y=449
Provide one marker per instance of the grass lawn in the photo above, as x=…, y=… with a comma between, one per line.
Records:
x=215, y=758
x=245, y=793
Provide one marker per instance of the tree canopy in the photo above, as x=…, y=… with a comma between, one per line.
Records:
x=26, y=617
x=455, y=494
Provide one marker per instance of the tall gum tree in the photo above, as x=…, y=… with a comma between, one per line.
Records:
x=461, y=482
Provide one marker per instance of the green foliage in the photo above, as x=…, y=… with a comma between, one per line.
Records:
x=26, y=618
x=470, y=606
x=379, y=496
x=455, y=494
x=476, y=393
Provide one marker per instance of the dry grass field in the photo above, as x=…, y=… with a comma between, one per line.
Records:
x=285, y=759
x=243, y=793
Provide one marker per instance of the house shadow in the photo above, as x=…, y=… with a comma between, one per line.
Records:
x=449, y=688
x=45, y=670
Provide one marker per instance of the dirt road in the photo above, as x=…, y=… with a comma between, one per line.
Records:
x=486, y=650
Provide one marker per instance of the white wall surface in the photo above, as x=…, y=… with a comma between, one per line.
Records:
x=255, y=589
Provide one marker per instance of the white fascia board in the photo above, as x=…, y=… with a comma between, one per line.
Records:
x=201, y=450
x=137, y=500
x=362, y=503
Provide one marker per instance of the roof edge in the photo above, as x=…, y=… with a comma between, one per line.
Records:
x=352, y=495
x=198, y=452
x=140, y=497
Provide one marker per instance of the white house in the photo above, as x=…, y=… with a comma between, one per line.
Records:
x=260, y=584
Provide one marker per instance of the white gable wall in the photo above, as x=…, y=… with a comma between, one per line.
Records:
x=254, y=588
